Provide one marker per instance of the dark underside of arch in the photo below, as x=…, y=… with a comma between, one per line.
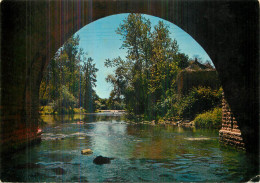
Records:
x=32, y=32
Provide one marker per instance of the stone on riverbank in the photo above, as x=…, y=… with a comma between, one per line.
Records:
x=185, y=123
x=86, y=151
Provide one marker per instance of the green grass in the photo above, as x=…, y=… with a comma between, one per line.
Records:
x=78, y=110
x=210, y=119
x=44, y=110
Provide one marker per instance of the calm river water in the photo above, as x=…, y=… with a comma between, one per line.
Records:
x=142, y=152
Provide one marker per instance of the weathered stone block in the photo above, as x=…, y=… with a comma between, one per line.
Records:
x=230, y=133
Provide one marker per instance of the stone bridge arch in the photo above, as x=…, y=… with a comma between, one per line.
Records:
x=32, y=31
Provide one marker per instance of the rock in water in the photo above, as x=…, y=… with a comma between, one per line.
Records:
x=255, y=179
x=80, y=122
x=59, y=171
x=86, y=151
x=101, y=160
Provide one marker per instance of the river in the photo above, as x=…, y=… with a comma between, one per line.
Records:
x=142, y=152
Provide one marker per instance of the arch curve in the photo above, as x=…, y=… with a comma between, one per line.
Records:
x=33, y=31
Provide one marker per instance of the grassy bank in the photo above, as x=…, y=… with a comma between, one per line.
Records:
x=44, y=110
x=210, y=119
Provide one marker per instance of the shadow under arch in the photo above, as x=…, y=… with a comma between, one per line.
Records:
x=33, y=31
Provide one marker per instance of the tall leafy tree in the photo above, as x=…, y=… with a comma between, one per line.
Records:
x=89, y=82
x=67, y=83
x=164, y=61
x=136, y=34
x=119, y=81
x=150, y=67
x=183, y=60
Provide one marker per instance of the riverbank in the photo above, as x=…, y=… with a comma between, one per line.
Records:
x=181, y=123
x=209, y=119
x=48, y=110
x=112, y=111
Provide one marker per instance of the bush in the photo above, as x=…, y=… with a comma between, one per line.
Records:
x=65, y=103
x=79, y=110
x=48, y=109
x=164, y=108
x=210, y=119
x=199, y=100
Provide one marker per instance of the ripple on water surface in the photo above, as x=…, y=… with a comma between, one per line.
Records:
x=158, y=153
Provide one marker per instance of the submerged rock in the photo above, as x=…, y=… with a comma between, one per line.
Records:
x=102, y=160
x=59, y=138
x=86, y=151
x=80, y=122
x=59, y=171
x=255, y=179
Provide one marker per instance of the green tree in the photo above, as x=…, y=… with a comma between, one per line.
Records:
x=119, y=81
x=136, y=35
x=150, y=68
x=183, y=60
x=66, y=80
x=66, y=101
x=164, y=62
x=89, y=82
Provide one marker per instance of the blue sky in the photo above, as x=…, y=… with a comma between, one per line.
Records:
x=99, y=40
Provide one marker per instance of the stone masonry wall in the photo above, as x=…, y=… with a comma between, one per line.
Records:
x=230, y=133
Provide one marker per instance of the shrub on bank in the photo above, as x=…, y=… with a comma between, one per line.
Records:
x=48, y=109
x=210, y=119
x=199, y=100
x=44, y=110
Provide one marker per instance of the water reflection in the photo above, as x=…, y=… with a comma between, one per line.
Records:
x=142, y=153
x=59, y=119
